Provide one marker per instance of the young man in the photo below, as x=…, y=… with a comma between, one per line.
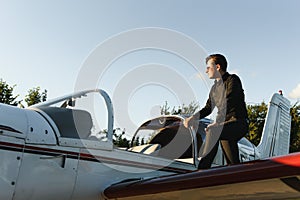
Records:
x=231, y=123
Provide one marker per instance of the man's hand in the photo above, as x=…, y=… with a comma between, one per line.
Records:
x=211, y=126
x=189, y=121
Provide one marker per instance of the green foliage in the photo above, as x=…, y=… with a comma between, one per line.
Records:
x=165, y=109
x=295, y=128
x=119, y=140
x=118, y=137
x=6, y=94
x=181, y=110
x=34, y=96
x=136, y=142
x=257, y=114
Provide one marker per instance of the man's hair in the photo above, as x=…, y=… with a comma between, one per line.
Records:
x=218, y=59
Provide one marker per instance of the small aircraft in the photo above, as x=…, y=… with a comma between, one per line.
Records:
x=58, y=150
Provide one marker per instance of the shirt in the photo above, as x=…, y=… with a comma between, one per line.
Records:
x=228, y=96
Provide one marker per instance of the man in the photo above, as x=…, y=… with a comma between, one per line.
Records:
x=231, y=123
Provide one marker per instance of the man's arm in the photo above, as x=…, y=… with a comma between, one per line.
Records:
x=207, y=110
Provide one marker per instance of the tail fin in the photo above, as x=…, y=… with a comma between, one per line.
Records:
x=275, y=139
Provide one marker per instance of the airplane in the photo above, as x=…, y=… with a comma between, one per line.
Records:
x=58, y=149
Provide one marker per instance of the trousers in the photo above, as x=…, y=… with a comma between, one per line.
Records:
x=228, y=136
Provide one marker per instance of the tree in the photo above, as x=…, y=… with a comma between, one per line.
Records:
x=34, y=96
x=165, y=109
x=118, y=137
x=181, y=110
x=119, y=140
x=6, y=94
x=257, y=114
x=295, y=128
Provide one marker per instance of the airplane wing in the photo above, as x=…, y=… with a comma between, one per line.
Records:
x=273, y=178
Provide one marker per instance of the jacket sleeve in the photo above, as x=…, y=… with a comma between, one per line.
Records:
x=206, y=110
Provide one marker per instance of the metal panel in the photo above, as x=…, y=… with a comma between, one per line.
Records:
x=84, y=143
x=13, y=124
x=39, y=130
x=276, y=132
x=46, y=175
x=9, y=165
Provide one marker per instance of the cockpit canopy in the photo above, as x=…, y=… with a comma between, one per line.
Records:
x=80, y=115
x=175, y=140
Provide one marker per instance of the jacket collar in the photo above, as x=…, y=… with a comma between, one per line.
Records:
x=224, y=78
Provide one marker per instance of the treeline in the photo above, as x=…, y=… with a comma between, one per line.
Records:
x=257, y=114
x=34, y=96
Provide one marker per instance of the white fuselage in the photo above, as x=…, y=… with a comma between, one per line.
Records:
x=37, y=164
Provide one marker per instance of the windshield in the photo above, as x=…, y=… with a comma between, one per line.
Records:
x=168, y=133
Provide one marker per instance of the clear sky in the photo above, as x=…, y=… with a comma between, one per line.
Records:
x=46, y=43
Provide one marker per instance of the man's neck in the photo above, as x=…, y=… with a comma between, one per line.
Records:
x=221, y=75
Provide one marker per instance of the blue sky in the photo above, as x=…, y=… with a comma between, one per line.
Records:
x=46, y=43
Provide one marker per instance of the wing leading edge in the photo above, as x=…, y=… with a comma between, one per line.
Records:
x=274, y=178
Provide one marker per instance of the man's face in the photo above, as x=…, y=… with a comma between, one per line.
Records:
x=211, y=69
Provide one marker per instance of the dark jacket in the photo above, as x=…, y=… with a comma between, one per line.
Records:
x=228, y=96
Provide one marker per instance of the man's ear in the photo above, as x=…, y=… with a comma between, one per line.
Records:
x=218, y=67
